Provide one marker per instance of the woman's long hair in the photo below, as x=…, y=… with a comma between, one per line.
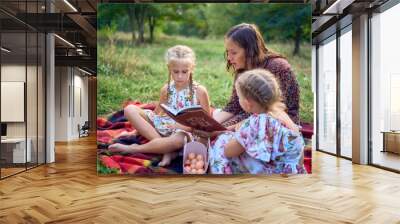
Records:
x=248, y=37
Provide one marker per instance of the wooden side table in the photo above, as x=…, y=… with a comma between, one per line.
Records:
x=391, y=141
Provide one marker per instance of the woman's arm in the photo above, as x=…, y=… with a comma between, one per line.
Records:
x=231, y=108
x=163, y=99
x=233, y=149
x=222, y=116
x=293, y=98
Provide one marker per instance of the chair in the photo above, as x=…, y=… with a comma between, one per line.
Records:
x=84, y=130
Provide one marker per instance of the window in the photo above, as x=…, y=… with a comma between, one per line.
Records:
x=385, y=85
x=327, y=95
x=23, y=76
x=346, y=95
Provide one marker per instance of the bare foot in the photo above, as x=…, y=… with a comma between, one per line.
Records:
x=126, y=133
x=166, y=160
x=117, y=147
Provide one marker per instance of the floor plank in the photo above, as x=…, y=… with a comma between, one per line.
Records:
x=70, y=191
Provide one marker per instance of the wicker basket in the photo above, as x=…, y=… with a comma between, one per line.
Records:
x=196, y=148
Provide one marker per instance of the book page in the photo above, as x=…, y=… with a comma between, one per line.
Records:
x=170, y=111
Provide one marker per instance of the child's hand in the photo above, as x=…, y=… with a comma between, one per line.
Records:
x=234, y=127
x=231, y=128
x=171, y=126
x=126, y=133
x=182, y=127
x=238, y=125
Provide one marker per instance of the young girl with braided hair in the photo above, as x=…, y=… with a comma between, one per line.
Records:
x=268, y=142
x=165, y=135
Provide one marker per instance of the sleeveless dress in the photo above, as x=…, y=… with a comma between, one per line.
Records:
x=270, y=148
x=176, y=100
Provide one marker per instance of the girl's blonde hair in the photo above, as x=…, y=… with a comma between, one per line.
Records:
x=261, y=86
x=181, y=53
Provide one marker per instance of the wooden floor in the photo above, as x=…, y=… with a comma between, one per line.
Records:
x=5, y=172
x=387, y=159
x=10, y=171
x=69, y=191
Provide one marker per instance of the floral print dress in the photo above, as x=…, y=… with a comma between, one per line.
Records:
x=176, y=100
x=270, y=148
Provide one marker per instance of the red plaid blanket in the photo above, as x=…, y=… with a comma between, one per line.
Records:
x=107, y=131
x=109, y=128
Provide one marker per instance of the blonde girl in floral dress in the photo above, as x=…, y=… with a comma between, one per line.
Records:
x=268, y=142
x=165, y=135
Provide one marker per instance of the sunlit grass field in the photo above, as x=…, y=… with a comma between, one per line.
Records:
x=130, y=72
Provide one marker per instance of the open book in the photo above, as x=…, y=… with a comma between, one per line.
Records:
x=195, y=117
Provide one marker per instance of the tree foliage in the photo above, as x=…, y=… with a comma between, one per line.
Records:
x=284, y=22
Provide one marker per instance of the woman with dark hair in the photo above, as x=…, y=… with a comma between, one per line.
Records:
x=245, y=50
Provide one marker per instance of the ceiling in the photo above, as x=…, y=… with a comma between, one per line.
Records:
x=330, y=15
x=72, y=20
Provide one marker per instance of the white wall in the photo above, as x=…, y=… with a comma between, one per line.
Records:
x=80, y=89
x=12, y=73
x=70, y=83
x=61, y=104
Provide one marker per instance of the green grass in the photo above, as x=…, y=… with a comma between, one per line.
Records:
x=127, y=71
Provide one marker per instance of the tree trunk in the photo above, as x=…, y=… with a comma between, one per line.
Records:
x=131, y=14
x=141, y=32
x=140, y=14
x=297, y=41
x=152, y=24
